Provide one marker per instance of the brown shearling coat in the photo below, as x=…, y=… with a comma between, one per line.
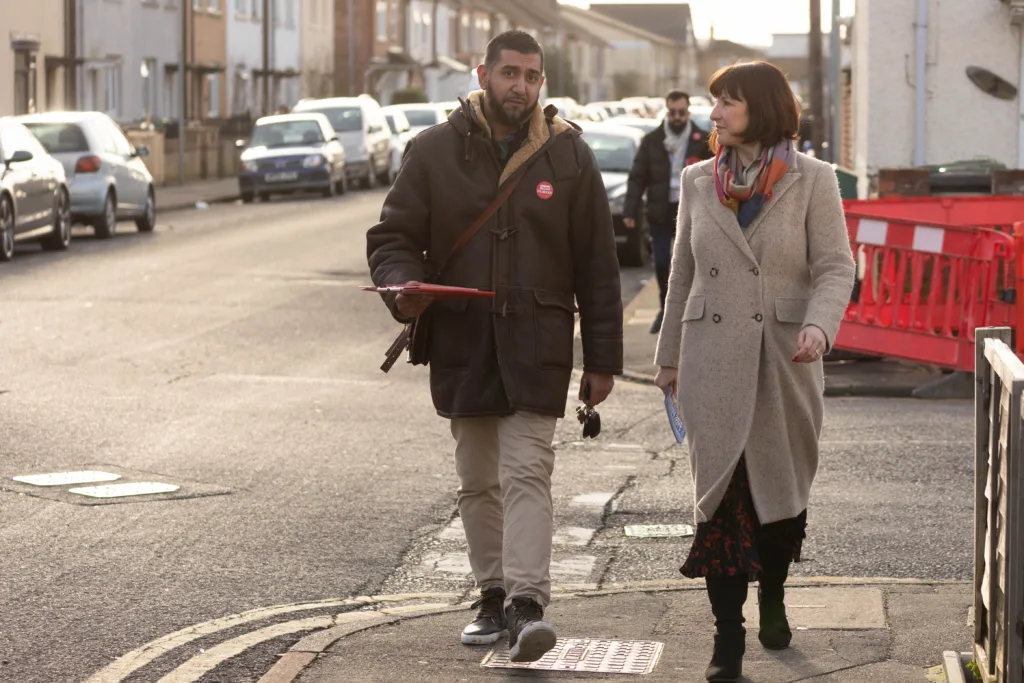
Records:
x=541, y=255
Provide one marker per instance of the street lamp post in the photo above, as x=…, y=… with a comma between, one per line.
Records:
x=183, y=53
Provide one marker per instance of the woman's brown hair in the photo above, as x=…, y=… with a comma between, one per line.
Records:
x=773, y=109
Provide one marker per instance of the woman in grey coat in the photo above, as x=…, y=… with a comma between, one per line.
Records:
x=761, y=275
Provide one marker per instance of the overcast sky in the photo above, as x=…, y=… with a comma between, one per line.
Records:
x=748, y=21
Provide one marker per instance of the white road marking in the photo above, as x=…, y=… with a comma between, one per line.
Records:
x=575, y=567
x=193, y=669
x=125, y=665
x=573, y=535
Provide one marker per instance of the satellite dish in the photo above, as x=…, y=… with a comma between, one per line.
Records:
x=994, y=85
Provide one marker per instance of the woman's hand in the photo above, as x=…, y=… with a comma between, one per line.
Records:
x=667, y=378
x=810, y=345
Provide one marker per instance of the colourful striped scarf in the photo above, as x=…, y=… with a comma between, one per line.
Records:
x=745, y=191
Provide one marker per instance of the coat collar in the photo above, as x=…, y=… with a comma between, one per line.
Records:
x=538, y=134
x=726, y=219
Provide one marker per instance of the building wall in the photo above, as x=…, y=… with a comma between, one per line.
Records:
x=317, y=38
x=42, y=21
x=208, y=93
x=245, y=56
x=287, y=51
x=363, y=33
x=961, y=122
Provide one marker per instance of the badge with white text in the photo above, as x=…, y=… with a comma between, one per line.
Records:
x=545, y=190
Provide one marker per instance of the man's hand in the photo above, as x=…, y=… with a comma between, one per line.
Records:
x=666, y=379
x=630, y=223
x=412, y=305
x=600, y=387
x=811, y=345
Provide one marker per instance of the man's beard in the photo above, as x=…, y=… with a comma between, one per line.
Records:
x=677, y=127
x=506, y=117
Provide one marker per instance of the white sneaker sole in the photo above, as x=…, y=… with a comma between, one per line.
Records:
x=534, y=642
x=491, y=639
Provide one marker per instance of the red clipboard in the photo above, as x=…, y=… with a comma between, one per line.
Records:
x=437, y=291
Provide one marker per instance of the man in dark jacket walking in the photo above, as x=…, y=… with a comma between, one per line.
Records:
x=500, y=368
x=657, y=168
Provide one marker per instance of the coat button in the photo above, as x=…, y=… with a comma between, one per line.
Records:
x=758, y=317
x=756, y=271
x=717, y=318
x=714, y=272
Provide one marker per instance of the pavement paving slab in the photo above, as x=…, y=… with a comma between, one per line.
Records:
x=843, y=634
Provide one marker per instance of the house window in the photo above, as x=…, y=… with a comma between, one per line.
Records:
x=197, y=4
x=150, y=105
x=464, y=45
x=382, y=20
x=290, y=11
x=24, y=82
x=394, y=20
x=242, y=7
x=213, y=83
x=257, y=9
x=213, y=5
x=113, y=95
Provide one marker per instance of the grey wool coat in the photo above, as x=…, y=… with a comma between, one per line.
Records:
x=736, y=304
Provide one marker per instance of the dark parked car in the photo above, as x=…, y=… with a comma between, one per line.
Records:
x=34, y=201
x=614, y=147
x=293, y=153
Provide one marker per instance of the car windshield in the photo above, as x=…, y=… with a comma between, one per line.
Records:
x=60, y=138
x=421, y=117
x=344, y=119
x=287, y=133
x=614, y=153
x=391, y=123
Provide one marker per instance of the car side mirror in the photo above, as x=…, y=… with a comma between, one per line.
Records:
x=19, y=157
x=142, y=151
x=239, y=144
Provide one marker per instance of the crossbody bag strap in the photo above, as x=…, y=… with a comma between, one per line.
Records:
x=475, y=226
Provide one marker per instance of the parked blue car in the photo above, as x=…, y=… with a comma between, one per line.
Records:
x=292, y=153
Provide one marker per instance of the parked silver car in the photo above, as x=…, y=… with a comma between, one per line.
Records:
x=107, y=179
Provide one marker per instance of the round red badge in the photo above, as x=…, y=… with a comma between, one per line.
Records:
x=545, y=190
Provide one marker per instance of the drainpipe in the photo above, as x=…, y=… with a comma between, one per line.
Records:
x=1019, y=20
x=920, y=81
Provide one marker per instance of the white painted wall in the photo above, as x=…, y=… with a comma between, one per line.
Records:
x=111, y=79
x=962, y=122
x=245, y=53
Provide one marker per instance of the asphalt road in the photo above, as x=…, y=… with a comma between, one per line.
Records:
x=230, y=354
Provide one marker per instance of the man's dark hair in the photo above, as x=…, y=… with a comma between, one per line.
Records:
x=676, y=95
x=516, y=41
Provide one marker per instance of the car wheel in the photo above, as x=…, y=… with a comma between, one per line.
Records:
x=147, y=221
x=6, y=229
x=264, y=196
x=332, y=187
x=106, y=224
x=248, y=197
x=343, y=184
x=60, y=238
x=370, y=179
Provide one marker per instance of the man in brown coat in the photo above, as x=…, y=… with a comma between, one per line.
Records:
x=500, y=368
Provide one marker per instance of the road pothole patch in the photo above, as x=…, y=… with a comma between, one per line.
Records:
x=106, y=484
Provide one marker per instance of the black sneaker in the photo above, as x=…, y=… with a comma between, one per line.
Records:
x=489, y=625
x=529, y=636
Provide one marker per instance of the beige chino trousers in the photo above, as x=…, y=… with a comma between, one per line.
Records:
x=504, y=466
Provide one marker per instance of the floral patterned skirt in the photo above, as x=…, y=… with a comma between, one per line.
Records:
x=727, y=545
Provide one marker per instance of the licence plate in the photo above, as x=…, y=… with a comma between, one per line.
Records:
x=281, y=177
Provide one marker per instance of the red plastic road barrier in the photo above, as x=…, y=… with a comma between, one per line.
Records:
x=923, y=286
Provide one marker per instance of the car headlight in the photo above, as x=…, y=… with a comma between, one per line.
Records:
x=313, y=160
x=250, y=166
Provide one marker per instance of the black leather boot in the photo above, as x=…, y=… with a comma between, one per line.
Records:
x=727, y=596
x=774, y=632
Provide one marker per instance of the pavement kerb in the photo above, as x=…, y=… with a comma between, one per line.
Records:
x=182, y=204
x=292, y=663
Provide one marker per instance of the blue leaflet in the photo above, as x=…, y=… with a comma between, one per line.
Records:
x=675, y=420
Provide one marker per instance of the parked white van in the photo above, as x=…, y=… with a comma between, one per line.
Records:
x=363, y=131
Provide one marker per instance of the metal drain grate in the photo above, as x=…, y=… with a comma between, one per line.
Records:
x=586, y=655
x=658, y=530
